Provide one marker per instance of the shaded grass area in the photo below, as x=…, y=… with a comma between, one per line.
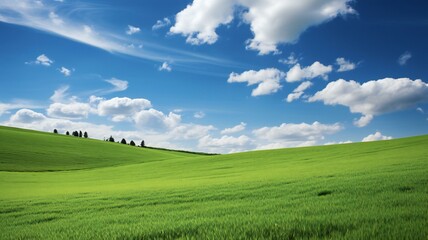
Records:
x=26, y=150
x=355, y=191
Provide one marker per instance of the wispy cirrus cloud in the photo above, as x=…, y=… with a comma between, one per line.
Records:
x=59, y=19
x=118, y=85
x=404, y=58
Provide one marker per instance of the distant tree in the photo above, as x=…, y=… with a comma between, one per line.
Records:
x=55, y=131
x=142, y=144
x=67, y=133
x=123, y=141
x=132, y=143
x=85, y=135
x=76, y=133
x=111, y=139
x=80, y=134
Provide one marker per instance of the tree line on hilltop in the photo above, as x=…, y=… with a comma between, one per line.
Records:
x=110, y=139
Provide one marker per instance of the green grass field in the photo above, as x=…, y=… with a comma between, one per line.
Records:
x=62, y=187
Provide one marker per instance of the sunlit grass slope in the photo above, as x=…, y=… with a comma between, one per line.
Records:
x=373, y=190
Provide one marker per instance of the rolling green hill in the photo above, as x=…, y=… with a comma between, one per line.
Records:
x=62, y=187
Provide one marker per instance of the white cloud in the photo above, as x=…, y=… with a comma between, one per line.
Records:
x=376, y=137
x=293, y=135
x=374, y=97
x=154, y=120
x=165, y=67
x=199, y=20
x=132, y=30
x=317, y=69
x=118, y=85
x=420, y=110
x=65, y=71
x=190, y=131
x=299, y=91
x=121, y=109
x=290, y=60
x=225, y=143
x=60, y=94
x=26, y=116
x=404, y=58
x=199, y=115
x=73, y=110
x=161, y=24
x=268, y=80
x=272, y=22
x=43, y=60
x=238, y=128
x=363, y=120
x=345, y=65
x=334, y=143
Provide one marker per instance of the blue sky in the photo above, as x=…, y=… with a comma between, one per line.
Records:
x=217, y=75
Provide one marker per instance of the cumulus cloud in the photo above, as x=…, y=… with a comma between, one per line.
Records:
x=161, y=24
x=225, y=143
x=267, y=80
x=238, y=128
x=373, y=97
x=404, y=58
x=121, y=109
x=73, y=110
x=199, y=115
x=272, y=22
x=154, y=120
x=165, y=67
x=65, y=71
x=190, y=131
x=294, y=135
x=345, y=65
x=199, y=20
x=376, y=137
x=26, y=116
x=132, y=30
x=363, y=120
x=290, y=60
x=317, y=69
x=43, y=60
x=299, y=91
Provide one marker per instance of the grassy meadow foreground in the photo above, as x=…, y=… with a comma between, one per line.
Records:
x=62, y=187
